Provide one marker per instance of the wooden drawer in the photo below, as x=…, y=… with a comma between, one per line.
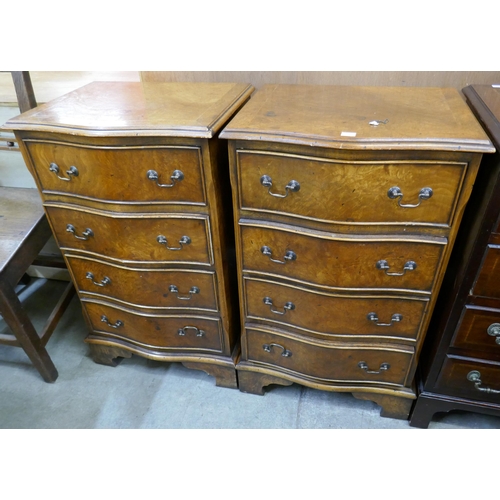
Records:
x=347, y=262
x=354, y=192
x=329, y=361
x=457, y=378
x=160, y=331
x=320, y=312
x=488, y=282
x=479, y=329
x=120, y=174
x=150, y=288
x=134, y=238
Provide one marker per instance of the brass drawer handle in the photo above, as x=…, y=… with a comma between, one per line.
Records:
x=105, y=281
x=176, y=176
x=289, y=306
x=185, y=240
x=72, y=172
x=292, y=186
x=182, y=331
x=192, y=291
x=384, y=265
x=494, y=331
x=475, y=377
x=396, y=318
x=289, y=255
x=117, y=324
x=85, y=235
x=269, y=347
x=383, y=367
x=395, y=192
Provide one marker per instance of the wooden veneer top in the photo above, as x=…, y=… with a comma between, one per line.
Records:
x=340, y=116
x=136, y=108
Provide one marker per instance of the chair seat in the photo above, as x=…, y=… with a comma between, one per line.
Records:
x=22, y=219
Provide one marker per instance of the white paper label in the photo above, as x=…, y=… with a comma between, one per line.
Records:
x=348, y=134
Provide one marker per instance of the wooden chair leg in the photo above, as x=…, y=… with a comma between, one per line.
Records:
x=58, y=311
x=15, y=316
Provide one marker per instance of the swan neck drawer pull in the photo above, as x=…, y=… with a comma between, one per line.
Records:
x=395, y=192
x=289, y=306
x=383, y=367
x=269, y=347
x=396, y=318
x=475, y=377
x=192, y=291
x=176, y=176
x=384, y=266
x=105, y=281
x=185, y=240
x=117, y=324
x=72, y=172
x=289, y=255
x=494, y=331
x=182, y=331
x=291, y=187
x=85, y=235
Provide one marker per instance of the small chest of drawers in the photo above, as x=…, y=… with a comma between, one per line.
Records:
x=135, y=185
x=347, y=201
x=462, y=360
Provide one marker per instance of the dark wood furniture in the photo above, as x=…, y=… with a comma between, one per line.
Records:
x=347, y=201
x=135, y=185
x=461, y=366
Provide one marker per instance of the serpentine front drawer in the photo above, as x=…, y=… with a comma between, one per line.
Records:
x=334, y=315
x=162, y=331
x=159, y=173
x=352, y=192
x=134, y=238
x=329, y=362
x=145, y=287
x=341, y=261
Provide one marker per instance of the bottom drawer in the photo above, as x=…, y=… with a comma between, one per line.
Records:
x=158, y=331
x=329, y=361
x=470, y=378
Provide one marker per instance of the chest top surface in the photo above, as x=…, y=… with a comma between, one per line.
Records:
x=360, y=118
x=136, y=108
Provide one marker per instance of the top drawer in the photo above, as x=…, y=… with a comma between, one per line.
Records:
x=163, y=174
x=354, y=192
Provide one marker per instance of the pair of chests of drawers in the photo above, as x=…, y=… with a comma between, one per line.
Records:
x=472, y=367
x=337, y=249
x=133, y=223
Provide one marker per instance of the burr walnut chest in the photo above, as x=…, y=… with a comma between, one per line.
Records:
x=135, y=186
x=461, y=368
x=347, y=201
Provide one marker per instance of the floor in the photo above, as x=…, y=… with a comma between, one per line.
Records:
x=145, y=394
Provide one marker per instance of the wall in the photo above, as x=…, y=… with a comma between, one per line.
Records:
x=457, y=79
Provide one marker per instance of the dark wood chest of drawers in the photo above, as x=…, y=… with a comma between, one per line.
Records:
x=461, y=367
x=347, y=201
x=135, y=185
